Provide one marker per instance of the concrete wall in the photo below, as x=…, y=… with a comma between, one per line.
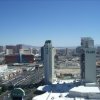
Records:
x=90, y=65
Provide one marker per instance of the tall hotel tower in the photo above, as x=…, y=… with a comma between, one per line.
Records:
x=48, y=62
x=88, y=60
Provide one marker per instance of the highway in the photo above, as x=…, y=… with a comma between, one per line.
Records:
x=26, y=78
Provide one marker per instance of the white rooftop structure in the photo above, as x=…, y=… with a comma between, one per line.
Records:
x=3, y=67
x=51, y=96
x=69, y=90
x=85, y=92
x=85, y=89
x=59, y=96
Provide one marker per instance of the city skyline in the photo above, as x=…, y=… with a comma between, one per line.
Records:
x=62, y=21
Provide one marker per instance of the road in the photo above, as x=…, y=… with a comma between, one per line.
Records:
x=26, y=78
x=30, y=77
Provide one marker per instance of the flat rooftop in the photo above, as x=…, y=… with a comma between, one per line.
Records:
x=68, y=90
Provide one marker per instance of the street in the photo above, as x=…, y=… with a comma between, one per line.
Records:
x=27, y=78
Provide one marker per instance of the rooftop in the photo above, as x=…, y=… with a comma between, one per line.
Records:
x=68, y=90
x=48, y=41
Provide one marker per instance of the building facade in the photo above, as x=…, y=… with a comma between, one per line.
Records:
x=87, y=42
x=88, y=60
x=10, y=49
x=42, y=53
x=9, y=59
x=1, y=49
x=48, y=62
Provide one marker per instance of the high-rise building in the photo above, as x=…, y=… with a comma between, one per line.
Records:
x=1, y=49
x=87, y=42
x=21, y=46
x=25, y=51
x=42, y=53
x=67, y=51
x=10, y=49
x=9, y=52
x=78, y=50
x=98, y=50
x=88, y=60
x=48, y=60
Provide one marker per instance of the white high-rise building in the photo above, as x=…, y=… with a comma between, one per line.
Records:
x=48, y=62
x=88, y=60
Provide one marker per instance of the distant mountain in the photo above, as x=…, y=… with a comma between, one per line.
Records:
x=69, y=47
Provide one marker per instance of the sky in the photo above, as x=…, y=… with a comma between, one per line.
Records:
x=62, y=21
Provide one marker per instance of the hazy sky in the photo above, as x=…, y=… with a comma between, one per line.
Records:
x=62, y=21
